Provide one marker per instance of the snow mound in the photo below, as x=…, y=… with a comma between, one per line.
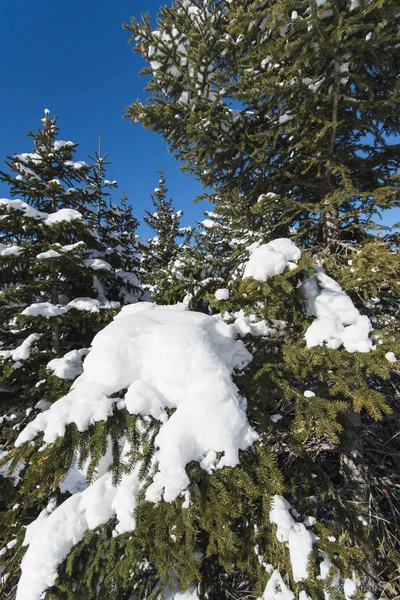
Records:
x=391, y=357
x=87, y=304
x=48, y=254
x=44, y=309
x=166, y=358
x=338, y=320
x=98, y=264
x=271, y=259
x=222, y=294
x=23, y=351
x=64, y=214
x=13, y=250
x=69, y=366
x=17, y=204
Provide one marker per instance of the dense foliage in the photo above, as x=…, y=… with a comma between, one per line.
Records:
x=288, y=113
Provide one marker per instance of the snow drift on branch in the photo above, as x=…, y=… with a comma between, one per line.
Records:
x=338, y=322
x=176, y=367
x=53, y=534
x=271, y=259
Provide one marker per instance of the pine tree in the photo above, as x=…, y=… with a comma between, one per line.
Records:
x=311, y=508
x=273, y=97
x=292, y=107
x=58, y=286
x=162, y=255
x=46, y=255
x=115, y=226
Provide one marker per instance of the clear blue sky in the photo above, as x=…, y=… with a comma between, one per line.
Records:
x=74, y=58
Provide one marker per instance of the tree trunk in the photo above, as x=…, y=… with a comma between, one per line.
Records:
x=330, y=216
x=55, y=326
x=330, y=226
x=352, y=457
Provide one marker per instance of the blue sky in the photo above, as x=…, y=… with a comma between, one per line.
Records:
x=74, y=58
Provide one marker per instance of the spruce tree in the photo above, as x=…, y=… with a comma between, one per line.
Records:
x=310, y=508
x=274, y=97
x=47, y=251
x=293, y=107
x=162, y=255
x=115, y=225
x=61, y=282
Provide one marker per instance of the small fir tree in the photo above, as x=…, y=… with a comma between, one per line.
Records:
x=162, y=255
x=115, y=226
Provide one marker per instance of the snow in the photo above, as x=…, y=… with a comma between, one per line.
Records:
x=98, y=264
x=4, y=468
x=129, y=278
x=23, y=351
x=77, y=164
x=13, y=250
x=280, y=515
x=299, y=539
x=44, y=309
x=300, y=547
x=166, y=358
x=325, y=567
x=56, y=530
x=285, y=118
x=48, y=254
x=276, y=589
x=349, y=588
x=69, y=366
x=208, y=223
x=222, y=294
x=245, y=324
x=59, y=144
x=391, y=357
x=87, y=304
x=25, y=157
x=271, y=259
x=64, y=214
x=308, y=394
x=338, y=320
x=28, y=210
x=70, y=247
x=276, y=417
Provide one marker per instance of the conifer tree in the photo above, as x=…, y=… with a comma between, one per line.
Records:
x=47, y=257
x=308, y=509
x=63, y=275
x=292, y=106
x=115, y=226
x=162, y=255
x=273, y=97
